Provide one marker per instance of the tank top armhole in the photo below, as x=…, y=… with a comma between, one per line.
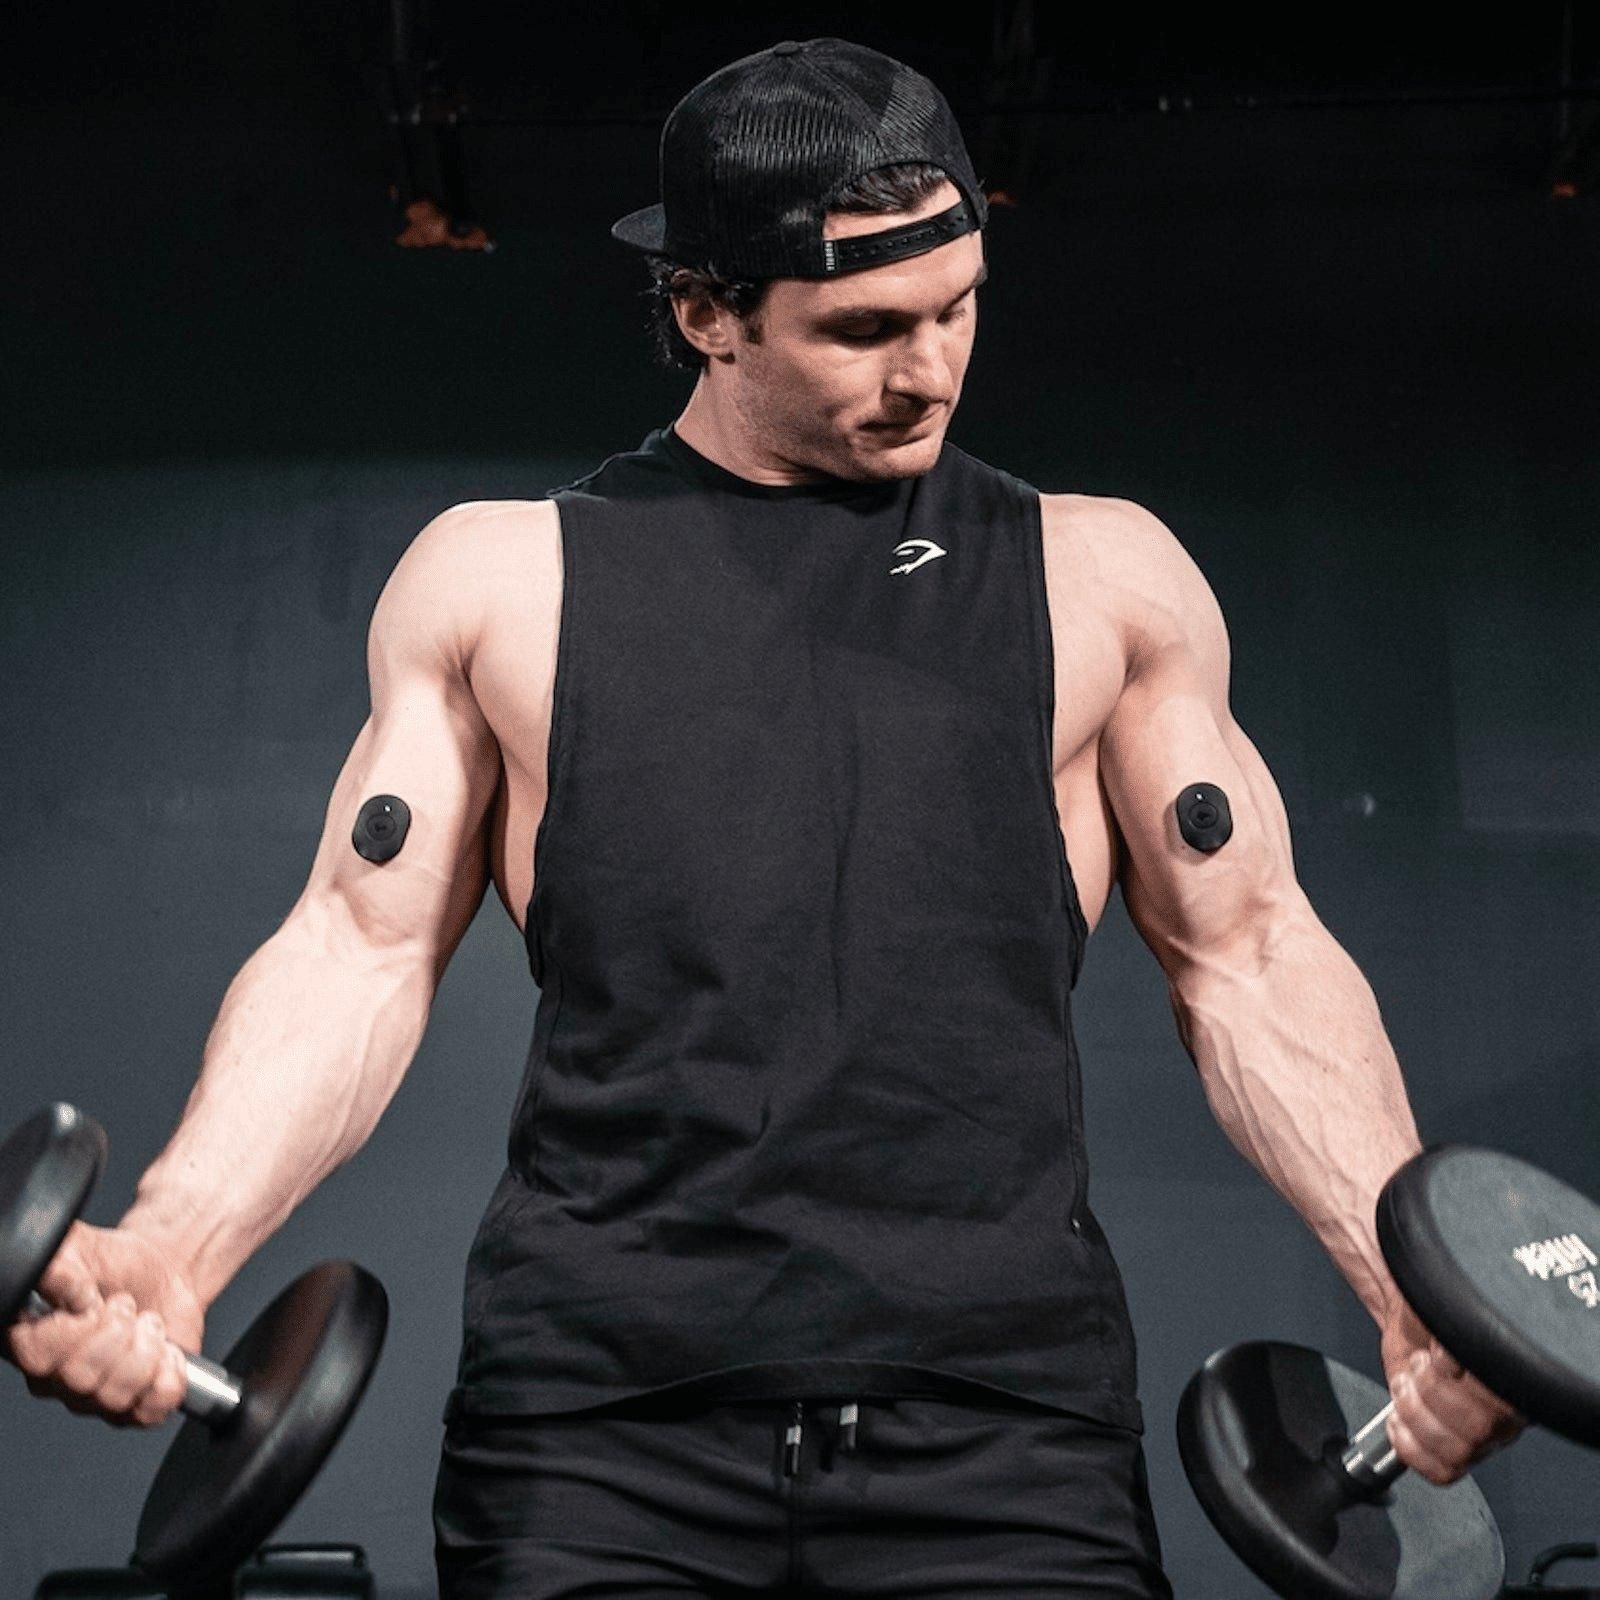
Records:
x=1045, y=659
x=561, y=713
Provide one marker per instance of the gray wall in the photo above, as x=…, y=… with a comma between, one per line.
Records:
x=1349, y=357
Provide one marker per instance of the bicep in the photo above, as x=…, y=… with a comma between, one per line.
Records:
x=1172, y=728
x=427, y=742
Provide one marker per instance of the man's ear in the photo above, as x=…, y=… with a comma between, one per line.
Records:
x=711, y=328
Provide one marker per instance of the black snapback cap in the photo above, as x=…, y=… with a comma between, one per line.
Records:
x=749, y=153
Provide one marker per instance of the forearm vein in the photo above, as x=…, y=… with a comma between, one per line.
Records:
x=309, y=1046
x=1298, y=1070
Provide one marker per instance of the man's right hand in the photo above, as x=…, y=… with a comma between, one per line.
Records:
x=107, y=1349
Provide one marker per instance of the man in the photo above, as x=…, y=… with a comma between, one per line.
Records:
x=805, y=749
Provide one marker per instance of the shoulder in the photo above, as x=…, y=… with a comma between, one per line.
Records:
x=446, y=583
x=463, y=537
x=1137, y=569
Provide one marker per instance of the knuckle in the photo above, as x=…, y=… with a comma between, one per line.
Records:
x=33, y=1362
x=1407, y=1403
x=147, y=1345
x=121, y=1388
x=169, y=1390
x=112, y=1395
x=78, y=1376
x=136, y=1410
x=157, y=1407
x=1410, y=1448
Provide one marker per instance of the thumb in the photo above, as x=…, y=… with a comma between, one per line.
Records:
x=71, y=1282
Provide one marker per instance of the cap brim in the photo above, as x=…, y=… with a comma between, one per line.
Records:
x=645, y=229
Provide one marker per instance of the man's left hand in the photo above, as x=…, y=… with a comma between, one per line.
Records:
x=1444, y=1420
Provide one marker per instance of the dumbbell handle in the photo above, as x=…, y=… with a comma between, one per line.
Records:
x=1370, y=1458
x=213, y=1394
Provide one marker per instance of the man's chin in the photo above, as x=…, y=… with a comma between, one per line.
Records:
x=888, y=456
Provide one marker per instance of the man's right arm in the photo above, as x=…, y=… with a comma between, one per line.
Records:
x=318, y=1027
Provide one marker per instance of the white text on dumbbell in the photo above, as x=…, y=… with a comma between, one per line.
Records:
x=1565, y=1257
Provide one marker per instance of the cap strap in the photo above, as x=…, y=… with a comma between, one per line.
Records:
x=895, y=244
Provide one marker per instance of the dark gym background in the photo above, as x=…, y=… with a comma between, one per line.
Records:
x=1325, y=301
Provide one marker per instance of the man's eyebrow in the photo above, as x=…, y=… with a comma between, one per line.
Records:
x=850, y=313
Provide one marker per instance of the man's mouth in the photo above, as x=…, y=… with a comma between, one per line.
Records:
x=919, y=427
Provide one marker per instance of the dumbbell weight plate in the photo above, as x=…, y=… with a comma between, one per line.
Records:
x=1261, y=1428
x=47, y=1168
x=1498, y=1260
x=303, y=1365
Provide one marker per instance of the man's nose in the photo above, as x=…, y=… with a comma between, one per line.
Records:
x=923, y=370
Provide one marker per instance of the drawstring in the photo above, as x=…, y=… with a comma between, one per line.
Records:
x=791, y=1440
x=849, y=1417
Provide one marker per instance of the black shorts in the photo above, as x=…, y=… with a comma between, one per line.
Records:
x=936, y=1498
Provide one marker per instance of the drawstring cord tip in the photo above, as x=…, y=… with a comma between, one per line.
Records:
x=791, y=1441
x=794, y=1434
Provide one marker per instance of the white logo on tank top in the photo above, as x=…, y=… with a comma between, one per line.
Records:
x=930, y=552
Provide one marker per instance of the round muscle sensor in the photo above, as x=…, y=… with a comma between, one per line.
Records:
x=381, y=827
x=1203, y=817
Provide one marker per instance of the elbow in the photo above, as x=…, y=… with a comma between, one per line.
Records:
x=1218, y=956
x=360, y=933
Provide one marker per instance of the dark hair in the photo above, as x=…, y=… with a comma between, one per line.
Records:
x=888, y=189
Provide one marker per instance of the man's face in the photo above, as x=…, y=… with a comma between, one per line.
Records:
x=857, y=376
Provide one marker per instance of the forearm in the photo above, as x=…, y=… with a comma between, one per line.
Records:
x=1298, y=1070
x=310, y=1044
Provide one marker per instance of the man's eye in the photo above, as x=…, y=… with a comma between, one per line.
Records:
x=859, y=335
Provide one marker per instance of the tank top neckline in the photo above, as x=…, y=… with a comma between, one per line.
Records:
x=702, y=469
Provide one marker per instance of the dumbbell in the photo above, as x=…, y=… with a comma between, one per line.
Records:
x=261, y=1423
x=1288, y=1451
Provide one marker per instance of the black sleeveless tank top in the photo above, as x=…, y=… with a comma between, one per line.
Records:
x=801, y=1115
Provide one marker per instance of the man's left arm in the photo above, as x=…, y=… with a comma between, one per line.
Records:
x=1281, y=1025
